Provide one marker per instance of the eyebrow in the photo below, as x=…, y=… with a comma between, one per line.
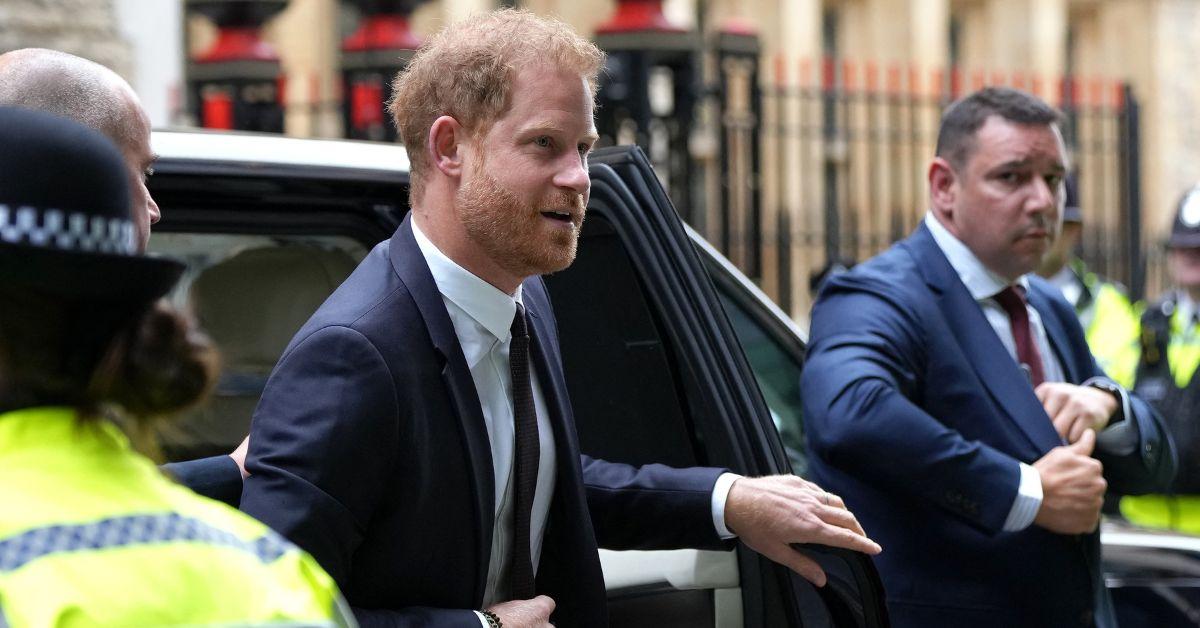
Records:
x=549, y=127
x=1025, y=163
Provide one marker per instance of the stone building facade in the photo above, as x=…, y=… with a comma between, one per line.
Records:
x=1149, y=45
x=87, y=28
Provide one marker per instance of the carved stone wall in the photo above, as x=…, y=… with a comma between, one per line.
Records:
x=87, y=28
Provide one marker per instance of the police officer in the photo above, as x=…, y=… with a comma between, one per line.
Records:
x=1109, y=319
x=1167, y=374
x=91, y=532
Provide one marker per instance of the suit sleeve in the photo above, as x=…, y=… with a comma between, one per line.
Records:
x=862, y=385
x=1137, y=452
x=1149, y=465
x=672, y=507
x=216, y=477
x=322, y=445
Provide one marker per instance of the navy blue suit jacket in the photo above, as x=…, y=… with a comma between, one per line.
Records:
x=917, y=416
x=369, y=450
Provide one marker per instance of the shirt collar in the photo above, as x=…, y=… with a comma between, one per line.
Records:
x=980, y=282
x=486, y=304
x=1068, y=283
x=1186, y=307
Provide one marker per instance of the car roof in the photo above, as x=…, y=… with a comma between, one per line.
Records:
x=226, y=147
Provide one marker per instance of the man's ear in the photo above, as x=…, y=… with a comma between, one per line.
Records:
x=445, y=146
x=943, y=186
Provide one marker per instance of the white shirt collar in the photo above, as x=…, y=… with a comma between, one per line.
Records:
x=1068, y=283
x=486, y=304
x=1186, y=306
x=980, y=282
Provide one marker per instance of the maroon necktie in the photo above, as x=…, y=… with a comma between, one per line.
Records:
x=525, y=457
x=1012, y=299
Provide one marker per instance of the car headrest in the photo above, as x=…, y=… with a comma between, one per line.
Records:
x=252, y=303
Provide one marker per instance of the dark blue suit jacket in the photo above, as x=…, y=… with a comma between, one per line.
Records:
x=917, y=416
x=369, y=450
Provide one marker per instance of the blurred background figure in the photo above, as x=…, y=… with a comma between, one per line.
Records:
x=91, y=533
x=1166, y=373
x=94, y=96
x=1109, y=319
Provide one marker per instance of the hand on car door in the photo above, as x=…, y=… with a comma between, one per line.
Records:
x=771, y=513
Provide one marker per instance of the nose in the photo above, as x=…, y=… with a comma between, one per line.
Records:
x=1045, y=196
x=573, y=174
x=152, y=209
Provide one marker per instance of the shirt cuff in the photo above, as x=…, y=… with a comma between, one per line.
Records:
x=719, y=495
x=1028, y=501
x=482, y=620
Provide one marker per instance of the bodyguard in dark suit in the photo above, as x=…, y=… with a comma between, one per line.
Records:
x=952, y=401
x=416, y=435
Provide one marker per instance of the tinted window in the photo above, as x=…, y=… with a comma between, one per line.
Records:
x=776, y=368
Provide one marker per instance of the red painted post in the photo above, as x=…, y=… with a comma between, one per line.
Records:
x=638, y=16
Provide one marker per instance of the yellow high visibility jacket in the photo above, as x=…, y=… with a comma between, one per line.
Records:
x=92, y=534
x=1180, y=511
x=1111, y=323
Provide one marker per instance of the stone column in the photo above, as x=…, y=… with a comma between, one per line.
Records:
x=307, y=38
x=792, y=163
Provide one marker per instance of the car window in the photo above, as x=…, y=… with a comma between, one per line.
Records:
x=250, y=294
x=775, y=367
x=628, y=390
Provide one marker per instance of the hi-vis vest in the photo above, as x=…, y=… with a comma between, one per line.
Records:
x=1111, y=324
x=92, y=534
x=1167, y=377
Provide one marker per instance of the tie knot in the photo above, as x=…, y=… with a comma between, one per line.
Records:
x=1012, y=299
x=518, y=324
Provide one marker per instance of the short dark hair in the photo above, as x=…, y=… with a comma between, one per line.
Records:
x=960, y=121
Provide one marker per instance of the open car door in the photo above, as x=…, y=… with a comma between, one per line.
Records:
x=656, y=374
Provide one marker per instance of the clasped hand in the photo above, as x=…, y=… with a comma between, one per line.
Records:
x=1074, y=409
x=1073, y=482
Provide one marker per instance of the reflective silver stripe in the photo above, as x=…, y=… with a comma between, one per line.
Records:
x=3, y=620
x=67, y=231
x=343, y=615
x=276, y=623
x=19, y=550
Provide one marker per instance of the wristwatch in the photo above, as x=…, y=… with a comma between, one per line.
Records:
x=1114, y=389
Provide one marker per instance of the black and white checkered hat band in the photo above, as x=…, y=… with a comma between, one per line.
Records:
x=67, y=231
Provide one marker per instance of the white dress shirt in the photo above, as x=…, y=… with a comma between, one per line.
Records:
x=482, y=315
x=1189, y=310
x=983, y=285
x=1068, y=282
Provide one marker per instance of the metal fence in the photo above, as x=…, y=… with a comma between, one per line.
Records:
x=789, y=167
x=844, y=148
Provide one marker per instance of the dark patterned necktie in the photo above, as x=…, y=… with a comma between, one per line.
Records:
x=1012, y=299
x=525, y=457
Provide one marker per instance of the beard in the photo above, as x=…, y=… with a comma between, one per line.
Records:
x=514, y=233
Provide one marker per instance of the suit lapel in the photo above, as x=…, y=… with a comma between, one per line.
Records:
x=547, y=363
x=411, y=267
x=1055, y=332
x=574, y=551
x=999, y=374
